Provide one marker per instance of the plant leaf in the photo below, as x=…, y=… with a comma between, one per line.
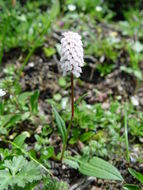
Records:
x=18, y=171
x=135, y=174
x=129, y=70
x=13, y=120
x=131, y=187
x=60, y=124
x=55, y=9
x=34, y=101
x=71, y=163
x=23, y=97
x=80, y=99
x=86, y=136
x=49, y=51
x=137, y=47
x=99, y=168
x=19, y=140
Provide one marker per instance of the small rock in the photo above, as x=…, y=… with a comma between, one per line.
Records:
x=141, y=101
x=141, y=139
x=134, y=101
x=64, y=167
x=31, y=64
x=133, y=157
x=105, y=105
x=39, y=129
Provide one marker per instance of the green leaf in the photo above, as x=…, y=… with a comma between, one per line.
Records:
x=5, y=179
x=137, y=47
x=30, y=156
x=4, y=120
x=13, y=120
x=53, y=184
x=86, y=136
x=137, y=175
x=23, y=97
x=55, y=9
x=48, y=153
x=49, y=51
x=1, y=108
x=25, y=115
x=131, y=187
x=62, y=82
x=99, y=168
x=57, y=97
x=9, y=120
x=18, y=171
x=60, y=124
x=136, y=73
x=4, y=153
x=34, y=102
x=71, y=163
x=19, y=140
x=80, y=99
x=58, y=48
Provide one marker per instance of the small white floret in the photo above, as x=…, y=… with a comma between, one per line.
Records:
x=2, y=92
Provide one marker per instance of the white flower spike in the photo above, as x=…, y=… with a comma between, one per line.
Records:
x=71, y=53
x=2, y=92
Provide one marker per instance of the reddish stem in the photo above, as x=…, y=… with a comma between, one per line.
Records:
x=72, y=95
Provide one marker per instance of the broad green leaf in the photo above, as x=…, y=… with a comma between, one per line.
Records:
x=19, y=140
x=13, y=120
x=99, y=168
x=23, y=97
x=9, y=120
x=34, y=101
x=5, y=119
x=131, y=187
x=137, y=175
x=60, y=124
x=55, y=9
